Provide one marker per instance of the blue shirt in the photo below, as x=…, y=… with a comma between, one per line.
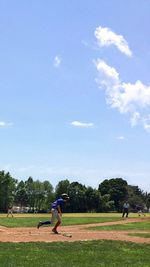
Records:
x=59, y=202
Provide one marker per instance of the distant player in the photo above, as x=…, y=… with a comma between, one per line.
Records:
x=10, y=211
x=56, y=212
x=140, y=210
x=125, y=209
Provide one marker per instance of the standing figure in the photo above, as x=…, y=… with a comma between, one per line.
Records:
x=125, y=209
x=140, y=210
x=56, y=212
x=10, y=211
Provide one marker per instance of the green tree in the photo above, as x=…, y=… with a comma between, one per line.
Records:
x=93, y=199
x=106, y=203
x=7, y=190
x=39, y=195
x=21, y=196
x=116, y=188
x=49, y=194
x=147, y=201
x=62, y=187
x=29, y=187
x=135, y=197
x=77, y=194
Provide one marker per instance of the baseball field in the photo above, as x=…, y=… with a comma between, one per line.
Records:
x=84, y=240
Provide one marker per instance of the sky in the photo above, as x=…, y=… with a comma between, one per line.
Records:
x=75, y=90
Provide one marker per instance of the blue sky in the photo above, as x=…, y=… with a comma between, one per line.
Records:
x=75, y=90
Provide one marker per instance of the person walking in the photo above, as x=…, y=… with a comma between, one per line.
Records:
x=125, y=209
x=56, y=213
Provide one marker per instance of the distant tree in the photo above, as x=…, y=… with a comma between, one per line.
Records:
x=62, y=187
x=40, y=194
x=147, y=201
x=49, y=194
x=107, y=204
x=93, y=200
x=135, y=197
x=77, y=194
x=135, y=190
x=21, y=196
x=7, y=190
x=29, y=187
x=116, y=188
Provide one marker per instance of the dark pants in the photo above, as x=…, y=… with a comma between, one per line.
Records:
x=125, y=211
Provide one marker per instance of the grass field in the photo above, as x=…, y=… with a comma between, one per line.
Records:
x=77, y=254
x=75, y=215
x=103, y=253
x=143, y=226
x=145, y=235
x=31, y=221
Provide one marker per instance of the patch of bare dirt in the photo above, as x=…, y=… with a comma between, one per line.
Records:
x=78, y=233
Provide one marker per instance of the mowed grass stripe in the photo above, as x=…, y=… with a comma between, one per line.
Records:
x=75, y=254
x=144, y=225
x=32, y=221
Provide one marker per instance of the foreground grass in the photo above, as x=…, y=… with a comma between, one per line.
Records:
x=144, y=225
x=145, y=235
x=75, y=254
x=32, y=221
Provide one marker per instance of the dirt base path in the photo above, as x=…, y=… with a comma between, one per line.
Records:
x=78, y=232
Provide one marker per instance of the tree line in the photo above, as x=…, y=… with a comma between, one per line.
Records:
x=37, y=195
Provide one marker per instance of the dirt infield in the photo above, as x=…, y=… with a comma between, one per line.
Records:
x=78, y=233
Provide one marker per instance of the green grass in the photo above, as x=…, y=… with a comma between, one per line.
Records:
x=33, y=220
x=145, y=235
x=75, y=254
x=101, y=253
x=144, y=225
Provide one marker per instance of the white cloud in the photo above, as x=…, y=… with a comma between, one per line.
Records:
x=135, y=118
x=82, y=124
x=107, y=37
x=121, y=137
x=132, y=99
x=107, y=73
x=57, y=61
x=5, y=124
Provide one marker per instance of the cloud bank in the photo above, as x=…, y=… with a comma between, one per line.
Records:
x=128, y=98
x=106, y=37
